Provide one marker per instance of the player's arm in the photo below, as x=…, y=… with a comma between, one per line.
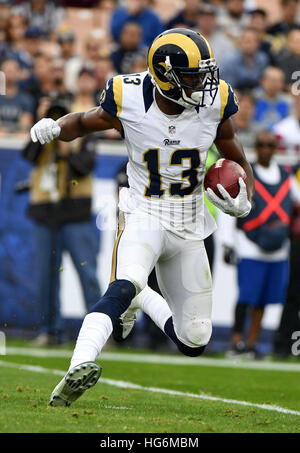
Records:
x=74, y=125
x=79, y=124
x=231, y=148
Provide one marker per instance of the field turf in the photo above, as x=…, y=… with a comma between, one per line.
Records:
x=139, y=396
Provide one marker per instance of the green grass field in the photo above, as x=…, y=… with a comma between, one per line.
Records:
x=135, y=395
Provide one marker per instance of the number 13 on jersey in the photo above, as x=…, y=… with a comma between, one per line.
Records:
x=154, y=189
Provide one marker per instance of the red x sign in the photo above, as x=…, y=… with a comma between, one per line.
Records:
x=273, y=205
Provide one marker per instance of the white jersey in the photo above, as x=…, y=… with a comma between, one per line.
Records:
x=167, y=154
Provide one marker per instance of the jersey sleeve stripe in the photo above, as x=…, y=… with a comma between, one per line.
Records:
x=121, y=227
x=229, y=101
x=298, y=176
x=117, y=89
x=224, y=93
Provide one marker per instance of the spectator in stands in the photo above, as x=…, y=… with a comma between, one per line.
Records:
x=103, y=71
x=272, y=104
x=232, y=19
x=136, y=11
x=58, y=76
x=129, y=47
x=207, y=26
x=243, y=120
x=289, y=12
x=60, y=205
x=139, y=64
x=13, y=44
x=40, y=82
x=45, y=15
x=42, y=71
x=33, y=41
x=92, y=50
x=244, y=67
x=5, y=8
x=288, y=130
x=259, y=22
x=73, y=62
x=66, y=41
x=288, y=59
x=16, y=107
x=84, y=98
x=262, y=245
x=48, y=83
x=187, y=17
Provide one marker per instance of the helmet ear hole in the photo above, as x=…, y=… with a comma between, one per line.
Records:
x=163, y=75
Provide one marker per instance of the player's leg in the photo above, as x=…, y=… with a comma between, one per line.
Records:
x=133, y=257
x=185, y=281
x=135, y=253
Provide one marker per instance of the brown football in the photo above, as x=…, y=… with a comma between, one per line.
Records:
x=225, y=172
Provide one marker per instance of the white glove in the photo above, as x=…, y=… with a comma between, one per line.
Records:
x=44, y=131
x=239, y=206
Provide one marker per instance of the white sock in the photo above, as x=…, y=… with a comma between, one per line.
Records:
x=94, y=333
x=154, y=306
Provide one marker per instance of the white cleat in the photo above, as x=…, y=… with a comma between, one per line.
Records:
x=75, y=383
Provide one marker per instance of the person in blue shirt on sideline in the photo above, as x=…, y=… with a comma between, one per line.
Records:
x=136, y=11
x=272, y=104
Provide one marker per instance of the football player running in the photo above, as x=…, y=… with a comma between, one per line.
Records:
x=169, y=116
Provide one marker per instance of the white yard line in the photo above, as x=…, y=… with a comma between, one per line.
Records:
x=130, y=385
x=162, y=359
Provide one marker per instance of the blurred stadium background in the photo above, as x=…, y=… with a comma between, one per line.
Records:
x=45, y=47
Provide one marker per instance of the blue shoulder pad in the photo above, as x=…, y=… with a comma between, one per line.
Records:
x=229, y=101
